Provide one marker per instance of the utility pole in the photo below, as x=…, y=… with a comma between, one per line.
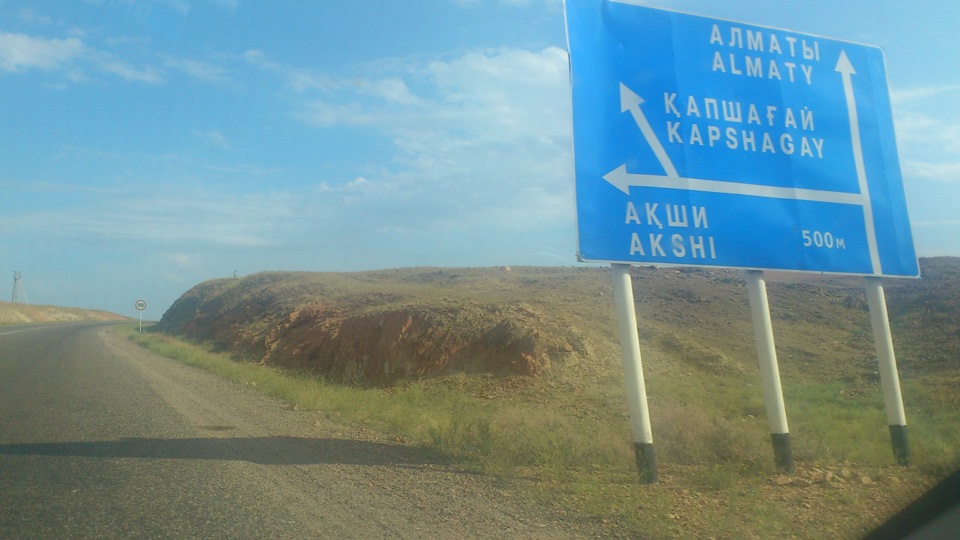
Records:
x=18, y=296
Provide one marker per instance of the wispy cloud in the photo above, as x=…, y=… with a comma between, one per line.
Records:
x=928, y=132
x=937, y=223
x=172, y=214
x=246, y=170
x=213, y=139
x=910, y=95
x=516, y=3
x=299, y=79
x=126, y=71
x=31, y=16
x=941, y=172
x=228, y=5
x=202, y=71
x=182, y=7
x=323, y=114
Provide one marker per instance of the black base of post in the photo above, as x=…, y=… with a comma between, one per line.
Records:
x=782, y=454
x=646, y=462
x=901, y=446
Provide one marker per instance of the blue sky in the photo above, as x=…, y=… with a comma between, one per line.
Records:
x=149, y=145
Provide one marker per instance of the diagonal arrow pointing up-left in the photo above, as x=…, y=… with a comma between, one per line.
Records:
x=630, y=101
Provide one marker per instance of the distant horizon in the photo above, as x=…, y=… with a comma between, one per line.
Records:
x=773, y=276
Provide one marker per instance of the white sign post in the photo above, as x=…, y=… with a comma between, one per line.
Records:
x=140, y=305
x=633, y=374
x=889, y=378
x=769, y=371
x=706, y=142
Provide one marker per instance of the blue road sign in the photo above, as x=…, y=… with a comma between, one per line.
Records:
x=707, y=142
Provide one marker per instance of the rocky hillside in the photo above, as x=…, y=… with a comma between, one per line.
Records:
x=25, y=313
x=378, y=328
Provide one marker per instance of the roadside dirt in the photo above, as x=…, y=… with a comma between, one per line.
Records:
x=26, y=313
x=342, y=481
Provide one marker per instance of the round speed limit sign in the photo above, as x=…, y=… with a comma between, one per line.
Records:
x=140, y=305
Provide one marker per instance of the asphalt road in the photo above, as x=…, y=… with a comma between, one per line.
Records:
x=101, y=438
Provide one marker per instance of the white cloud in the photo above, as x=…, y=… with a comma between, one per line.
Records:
x=180, y=259
x=505, y=93
x=20, y=52
x=392, y=89
x=482, y=141
x=487, y=96
x=255, y=56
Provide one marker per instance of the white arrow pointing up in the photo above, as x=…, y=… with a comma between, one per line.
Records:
x=845, y=68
